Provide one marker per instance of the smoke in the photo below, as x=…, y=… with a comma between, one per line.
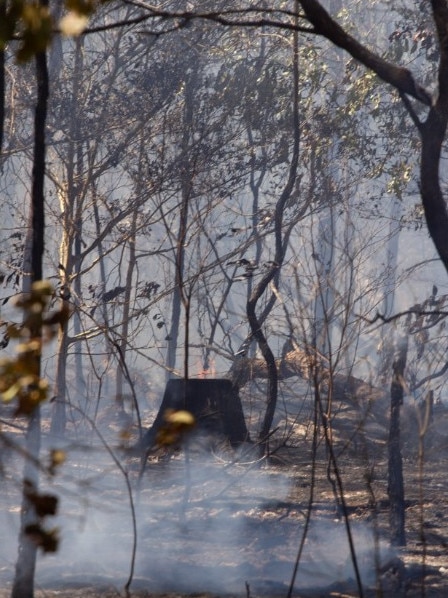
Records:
x=206, y=525
x=327, y=558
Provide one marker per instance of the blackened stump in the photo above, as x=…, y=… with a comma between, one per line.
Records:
x=215, y=404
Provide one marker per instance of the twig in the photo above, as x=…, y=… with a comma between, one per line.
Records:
x=401, y=314
x=129, y=490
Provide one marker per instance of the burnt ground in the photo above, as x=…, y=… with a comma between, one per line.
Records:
x=221, y=524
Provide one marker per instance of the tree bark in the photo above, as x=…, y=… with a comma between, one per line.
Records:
x=214, y=403
x=2, y=82
x=280, y=248
x=123, y=342
x=23, y=585
x=433, y=134
x=70, y=247
x=180, y=295
x=302, y=363
x=395, y=466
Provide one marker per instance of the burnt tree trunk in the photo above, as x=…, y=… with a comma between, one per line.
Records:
x=395, y=466
x=23, y=585
x=214, y=403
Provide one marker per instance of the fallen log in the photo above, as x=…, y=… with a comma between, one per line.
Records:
x=216, y=405
x=305, y=366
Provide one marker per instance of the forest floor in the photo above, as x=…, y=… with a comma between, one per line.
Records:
x=219, y=524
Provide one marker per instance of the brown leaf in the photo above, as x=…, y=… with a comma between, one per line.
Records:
x=47, y=540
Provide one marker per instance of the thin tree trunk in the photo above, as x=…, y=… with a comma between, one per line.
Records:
x=23, y=585
x=59, y=416
x=119, y=382
x=324, y=301
x=69, y=248
x=280, y=248
x=78, y=203
x=180, y=297
x=387, y=332
x=2, y=82
x=58, y=419
x=255, y=183
x=395, y=467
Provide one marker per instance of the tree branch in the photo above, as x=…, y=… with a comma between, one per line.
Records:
x=401, y=314
x=426, y=379
x=407, y=104
x=399, y=77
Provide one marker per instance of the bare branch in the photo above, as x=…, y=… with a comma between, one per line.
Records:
x=401, y=314
x=227, y=18
x=426, y=379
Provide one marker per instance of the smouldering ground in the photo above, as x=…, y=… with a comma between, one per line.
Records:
x=224, y=526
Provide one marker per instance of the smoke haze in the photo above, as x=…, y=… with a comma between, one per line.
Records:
x=239, y=526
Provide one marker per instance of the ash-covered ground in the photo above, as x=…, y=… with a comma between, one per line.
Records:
x=217, y=522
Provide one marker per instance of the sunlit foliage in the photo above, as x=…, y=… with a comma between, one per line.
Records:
x=20, y=378
x=32, y=24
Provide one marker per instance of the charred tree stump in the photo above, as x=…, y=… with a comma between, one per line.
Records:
x=214, y=403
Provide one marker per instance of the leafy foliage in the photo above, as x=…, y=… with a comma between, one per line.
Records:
x=20, y=375
x=177, y=423
x=47, y=540
x=33, y=25
x=44, y=505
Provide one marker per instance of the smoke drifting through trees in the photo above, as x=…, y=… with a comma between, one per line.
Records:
x=225, y=192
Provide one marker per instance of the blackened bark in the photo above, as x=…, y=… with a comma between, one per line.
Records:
x=433, y=134
x=395, y=466
x=268, y=356
x=214, y=403
x=37, y=193
x=23, y=586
